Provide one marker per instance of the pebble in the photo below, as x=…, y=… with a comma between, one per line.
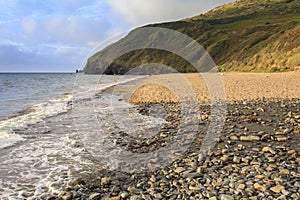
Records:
x=157, y=196
x=226, y=197
x=260, y=176
x=124, y=195
x=269, y=149
x=282, y=139
x=236, y=159
x=179, y=170
x=66, y=196
x=218, y=182
x=282, y=197
x=250, y=138
x=76, y=181
x=245, y=160
x=241, y=186
x=194, y=188
x=252, y=160
x=94, y=196
x=234, y=138
x=266, y=137
x=259, y=187
x=277, y=189
x=284, y=171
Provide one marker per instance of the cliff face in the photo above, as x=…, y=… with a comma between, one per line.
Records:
x=248, y=35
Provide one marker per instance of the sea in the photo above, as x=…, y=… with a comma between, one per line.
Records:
x=41, y=115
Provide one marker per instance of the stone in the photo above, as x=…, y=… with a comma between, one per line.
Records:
x=282, y=139
x=259, y=187
x=260, y=109
x=284, y=171
x=260, y=176
x=241, y=186
x=268, y=149
x=76, y=181
x=285, y=192
x=244, y=170
x=157, y=196
x=94, y=196
x=194, y=188
x=282, y=197
x=287, y=131
x=226, y=197
x=266, y=137
x=218, y=182
x=192, y=175
x=245, y=160
x=213, y=198
x=278, y=180
x=236, y=159
x=201, y=157
x=291, y=152
x=277, y=189
x=250, y=138
x=134, y=197
x=134, y=190
x=271, y=159
x=271, y=167
x=124, y=195
x=105, y=181
x=252, y=198
x=297, y=131
x=113, y=198
x=224, y=158
x=179, y=170
x=255, y=163
x=234, y=138
x=241, y=147
x=153, y=179
x=231, y=127
x=66, y=196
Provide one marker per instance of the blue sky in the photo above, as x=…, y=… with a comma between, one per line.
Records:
x=59, y=35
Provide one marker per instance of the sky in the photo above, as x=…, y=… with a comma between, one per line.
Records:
x=59, y=35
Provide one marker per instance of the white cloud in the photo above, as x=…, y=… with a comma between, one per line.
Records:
x=8, y=21
x=137, y=12
x=29, y=27
x=76, y=29
x=64, y=32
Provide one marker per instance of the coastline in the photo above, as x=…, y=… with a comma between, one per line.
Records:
x=238, y=86
x=256, y=155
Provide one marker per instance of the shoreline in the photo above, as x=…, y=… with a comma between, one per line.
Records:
x=256, y=155
x=172, y=88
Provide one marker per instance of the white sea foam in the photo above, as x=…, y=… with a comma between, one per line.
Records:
x=46, y=109
x=34, y=115
x=7, y=138
x=43, y=165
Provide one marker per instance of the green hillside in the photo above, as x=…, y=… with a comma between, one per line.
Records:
x=247, y=35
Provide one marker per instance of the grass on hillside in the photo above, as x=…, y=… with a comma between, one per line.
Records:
x=248, y=35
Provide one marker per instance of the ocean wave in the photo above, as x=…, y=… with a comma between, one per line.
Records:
x=29, y=116
x=38, y=112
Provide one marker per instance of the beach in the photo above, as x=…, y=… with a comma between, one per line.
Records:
x=251, y=151
x=237, y=86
